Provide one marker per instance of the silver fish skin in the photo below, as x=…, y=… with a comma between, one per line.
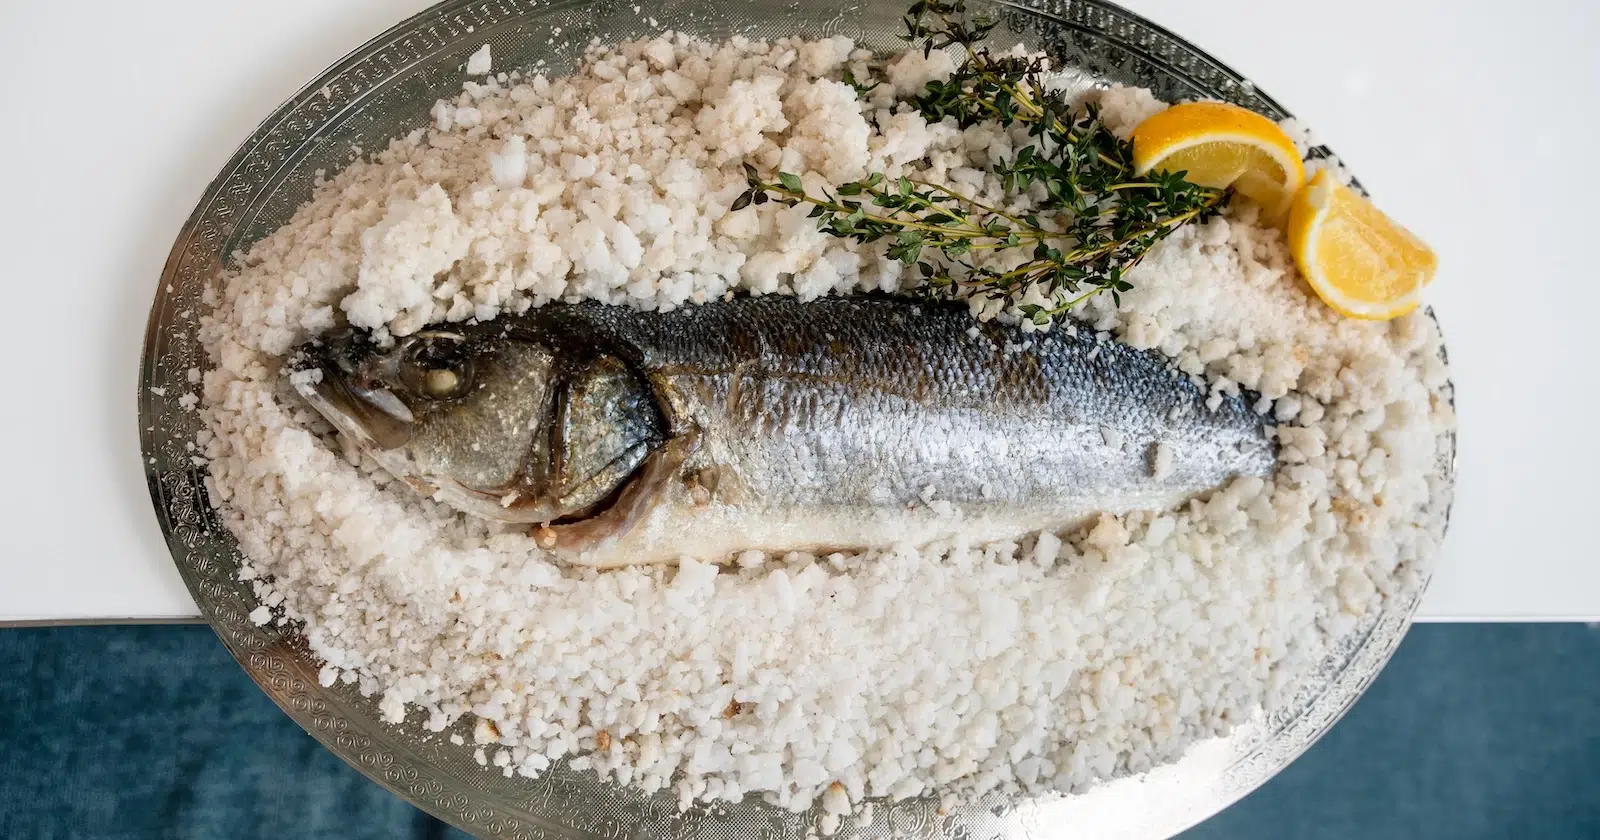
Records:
x=777, y=425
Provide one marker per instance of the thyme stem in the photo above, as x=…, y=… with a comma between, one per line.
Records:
x=1102, y=218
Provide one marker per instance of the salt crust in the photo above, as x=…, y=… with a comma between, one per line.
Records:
x=1041, y=665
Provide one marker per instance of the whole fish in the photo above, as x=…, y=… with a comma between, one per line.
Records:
x=622, y=436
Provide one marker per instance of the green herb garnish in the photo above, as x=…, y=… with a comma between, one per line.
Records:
x=1094, y=225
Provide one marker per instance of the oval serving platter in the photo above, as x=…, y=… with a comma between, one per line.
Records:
x=385, y=88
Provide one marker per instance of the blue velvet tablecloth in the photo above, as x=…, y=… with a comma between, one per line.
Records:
x=1474, y=731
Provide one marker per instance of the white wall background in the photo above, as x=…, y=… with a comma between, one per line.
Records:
x=1469, y=121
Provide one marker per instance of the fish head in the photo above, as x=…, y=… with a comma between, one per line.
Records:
x=506, y=425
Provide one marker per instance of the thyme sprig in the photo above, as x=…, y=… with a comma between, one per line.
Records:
x=1090, y=219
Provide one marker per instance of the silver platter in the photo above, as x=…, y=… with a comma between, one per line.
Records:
x=384, y=89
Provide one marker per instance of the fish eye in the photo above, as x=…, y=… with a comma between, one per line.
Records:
x=437, y=366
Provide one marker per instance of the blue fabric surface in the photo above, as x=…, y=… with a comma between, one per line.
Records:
x=1472, y=731
x=154, y=732
x=1475, y=731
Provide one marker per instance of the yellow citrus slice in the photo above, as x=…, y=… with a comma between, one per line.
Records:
x=1221, y=145
x=1359, y=261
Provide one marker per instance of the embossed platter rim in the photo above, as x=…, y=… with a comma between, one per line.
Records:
x=408, y=64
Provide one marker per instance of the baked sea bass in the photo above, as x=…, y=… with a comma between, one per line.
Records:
x=620, y=436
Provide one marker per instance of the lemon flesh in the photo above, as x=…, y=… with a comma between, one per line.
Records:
x=1359, y=261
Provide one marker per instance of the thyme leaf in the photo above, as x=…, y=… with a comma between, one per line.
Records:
x=1096, y=220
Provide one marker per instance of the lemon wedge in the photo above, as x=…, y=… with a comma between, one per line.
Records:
x=1221, y=145
x=1359, y=261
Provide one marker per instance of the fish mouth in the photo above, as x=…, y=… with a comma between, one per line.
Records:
x=381, y=424
x=372, y=416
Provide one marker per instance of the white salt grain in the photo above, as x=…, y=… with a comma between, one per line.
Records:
x=1161, y=461
x=480, y=62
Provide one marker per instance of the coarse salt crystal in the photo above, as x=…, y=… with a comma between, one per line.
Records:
x=480, y=63
x=1161, y=458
